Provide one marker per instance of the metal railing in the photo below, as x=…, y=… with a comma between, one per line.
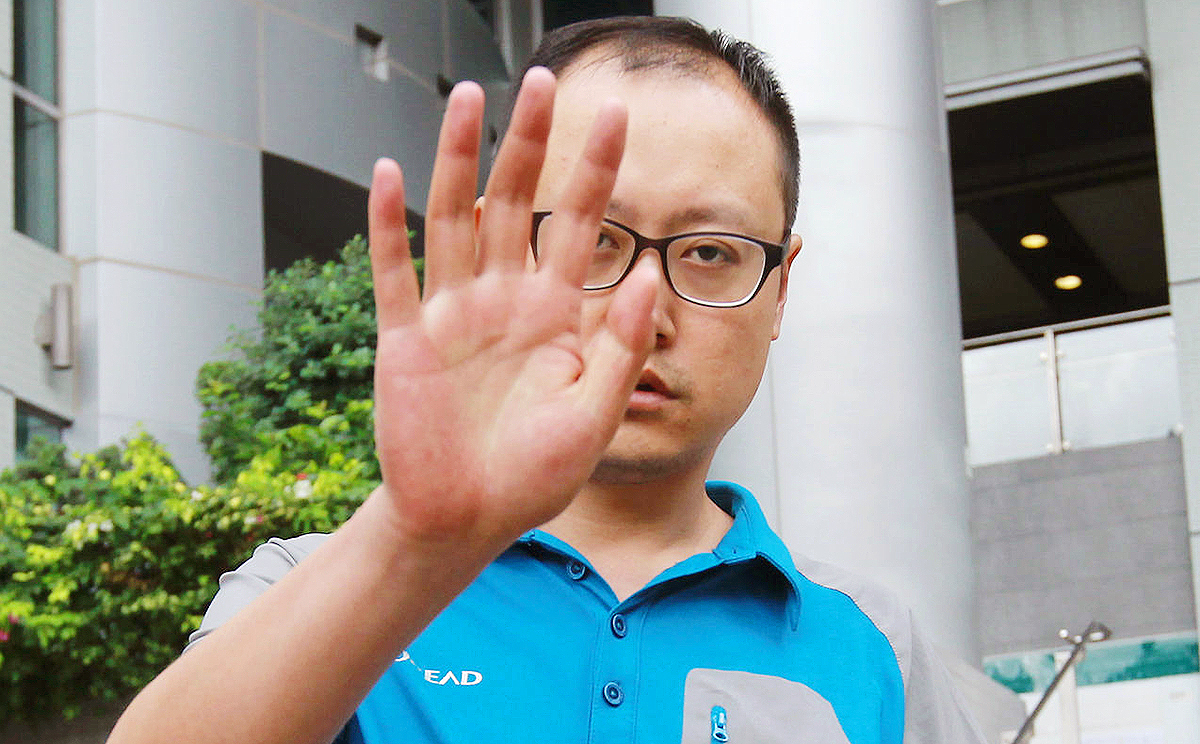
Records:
x=1093, y=382
x=1094, y=632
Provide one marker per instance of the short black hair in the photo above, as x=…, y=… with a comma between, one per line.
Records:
x=649, y=42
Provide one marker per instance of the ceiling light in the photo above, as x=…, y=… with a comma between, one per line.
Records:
x=1070, y=281
x=1033, y=241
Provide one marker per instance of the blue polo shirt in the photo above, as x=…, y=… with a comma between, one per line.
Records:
x=746, y=643
x=539, y=649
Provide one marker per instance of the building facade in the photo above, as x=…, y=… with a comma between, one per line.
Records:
x=1009, y=456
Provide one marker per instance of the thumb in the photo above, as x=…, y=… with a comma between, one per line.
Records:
x=614, y=359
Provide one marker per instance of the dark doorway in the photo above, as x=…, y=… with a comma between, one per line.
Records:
x=1077, y=167
x=310, y=213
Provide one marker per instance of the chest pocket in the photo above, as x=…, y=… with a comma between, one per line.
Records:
x=723, y=707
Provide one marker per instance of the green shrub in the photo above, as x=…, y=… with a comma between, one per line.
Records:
x=316, y=346
x=107, y=564
x=108, y=561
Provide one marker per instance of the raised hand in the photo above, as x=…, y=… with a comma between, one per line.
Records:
x=491, y=408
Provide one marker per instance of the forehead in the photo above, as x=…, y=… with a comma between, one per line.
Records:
x=697, y=145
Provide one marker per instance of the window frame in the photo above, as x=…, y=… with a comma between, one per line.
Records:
x=52, y=110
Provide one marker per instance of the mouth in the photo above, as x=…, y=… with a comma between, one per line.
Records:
x=650, y=395
x=650, y=382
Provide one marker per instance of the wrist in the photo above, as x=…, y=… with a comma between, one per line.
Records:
x=443, y=560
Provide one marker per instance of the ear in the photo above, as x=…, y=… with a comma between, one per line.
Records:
x=793, y=249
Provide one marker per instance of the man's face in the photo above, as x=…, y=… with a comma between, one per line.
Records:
x=699, y=156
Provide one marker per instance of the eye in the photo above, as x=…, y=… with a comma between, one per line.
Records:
x=606, y=241
x=710, y=253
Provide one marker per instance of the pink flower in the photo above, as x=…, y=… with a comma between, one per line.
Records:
x=14, y=619
x=301, y=476
x=3, y=636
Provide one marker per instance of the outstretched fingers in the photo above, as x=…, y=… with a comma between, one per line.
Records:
x=397, y=296
x=450, y=211
x=508, y=199
x=571, y=232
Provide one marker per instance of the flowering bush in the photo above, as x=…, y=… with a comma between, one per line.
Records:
x=107, y=564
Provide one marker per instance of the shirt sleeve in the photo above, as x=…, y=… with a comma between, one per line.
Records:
x=241, y=586
x=934, y=709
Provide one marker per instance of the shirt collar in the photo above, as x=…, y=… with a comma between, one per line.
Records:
x=749, y=537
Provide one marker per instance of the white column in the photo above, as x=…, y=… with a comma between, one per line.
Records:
x=866, y=380
x=1171, y=28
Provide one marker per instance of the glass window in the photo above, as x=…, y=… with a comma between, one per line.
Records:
x=35, y=173
x=35, y=120
x=32, y=424
x=35, y=46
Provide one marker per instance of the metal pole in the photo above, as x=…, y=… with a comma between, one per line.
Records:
x=1095, y=631
x=1050, y=356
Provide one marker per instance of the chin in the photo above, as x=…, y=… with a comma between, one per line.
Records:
x=614, y=470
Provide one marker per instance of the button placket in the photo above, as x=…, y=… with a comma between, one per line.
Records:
x=616, y=674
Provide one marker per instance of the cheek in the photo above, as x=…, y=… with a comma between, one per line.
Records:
x=730, y=354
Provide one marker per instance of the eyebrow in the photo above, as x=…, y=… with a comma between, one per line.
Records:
x=683, y=219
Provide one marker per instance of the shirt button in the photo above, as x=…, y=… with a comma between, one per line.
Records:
x=576, y=570
x=613, y=694
x=618, y=625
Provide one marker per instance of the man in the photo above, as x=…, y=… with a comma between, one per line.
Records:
x=543, y=559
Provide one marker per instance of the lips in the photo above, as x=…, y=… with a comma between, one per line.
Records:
x=650, y=382
x=650, y=395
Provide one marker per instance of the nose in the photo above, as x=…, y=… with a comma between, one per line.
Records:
x=664, y=323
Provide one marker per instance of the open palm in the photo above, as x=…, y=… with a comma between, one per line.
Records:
x=491, y=408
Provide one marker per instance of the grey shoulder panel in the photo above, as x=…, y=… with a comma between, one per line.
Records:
x=241, y=586
x=934, y=710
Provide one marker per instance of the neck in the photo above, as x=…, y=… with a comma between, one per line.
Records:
x=631, y=532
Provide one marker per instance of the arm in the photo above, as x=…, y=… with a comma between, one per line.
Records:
x=490, y=413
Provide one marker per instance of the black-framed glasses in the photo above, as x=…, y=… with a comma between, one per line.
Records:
x=715, y=269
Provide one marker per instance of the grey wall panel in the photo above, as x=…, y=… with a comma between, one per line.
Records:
x=1062, y=540
x=987, y=37
x=206, y=195
x=322, y=109
x=29, y=271
x=191, y=64
x=153, y=331
x=412, y=28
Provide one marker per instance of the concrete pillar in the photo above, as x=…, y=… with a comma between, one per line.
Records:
x=1175, y=89
x=865, y=386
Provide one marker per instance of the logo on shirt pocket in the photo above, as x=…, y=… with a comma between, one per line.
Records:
x=443, y=677
x=726, y=707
